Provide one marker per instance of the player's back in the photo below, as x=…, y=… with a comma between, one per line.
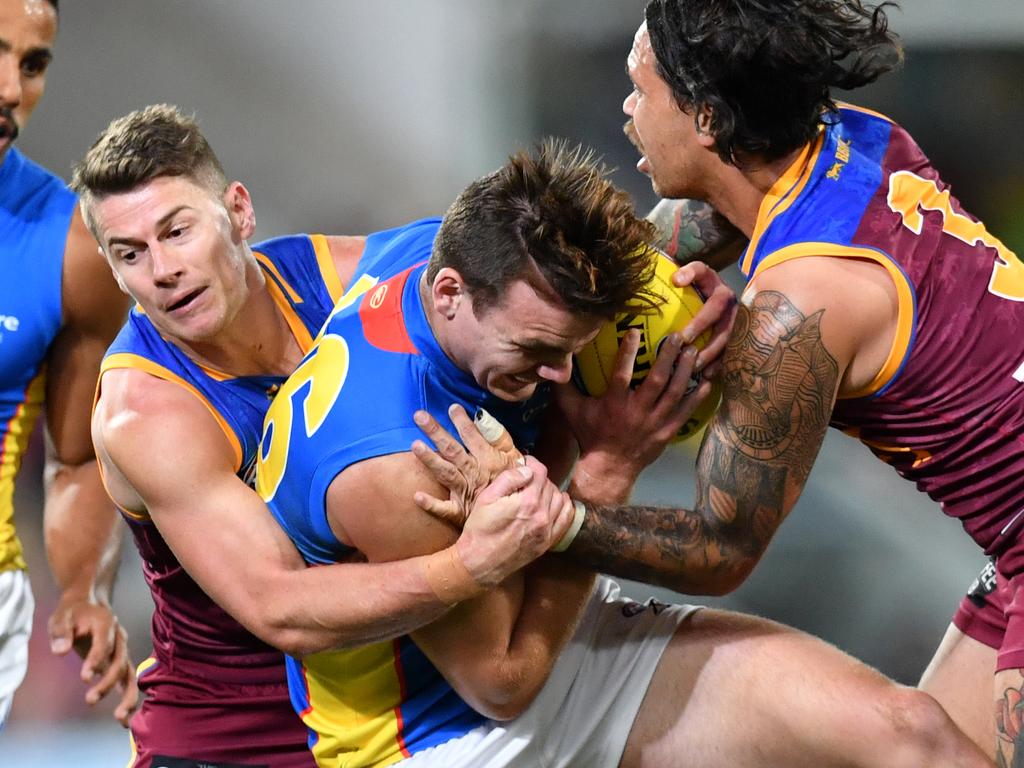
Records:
x=35, y=214
x=947, y=409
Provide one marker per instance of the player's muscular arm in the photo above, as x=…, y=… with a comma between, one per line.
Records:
x=690, y=230
x=181, y=470
x=81, y=527
x=786, y=358
x=496, y=650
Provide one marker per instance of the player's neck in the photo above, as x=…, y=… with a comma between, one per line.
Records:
x=737, y=191
x=256, y=342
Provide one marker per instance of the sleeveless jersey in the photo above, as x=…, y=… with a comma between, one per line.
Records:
x=352, y=398
x=190, y=631
x=947, y=409
x=35, y=214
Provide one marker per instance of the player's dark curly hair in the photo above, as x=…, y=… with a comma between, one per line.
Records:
x=555, y=212
x=764, y=68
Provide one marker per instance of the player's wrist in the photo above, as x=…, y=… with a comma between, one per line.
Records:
x=579, y=514
x=449, y=578
x=602, y=478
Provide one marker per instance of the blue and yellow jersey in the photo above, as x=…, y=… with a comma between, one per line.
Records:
x=188, y=627
x=947, y=408
x=35, y=214
x=352, y=399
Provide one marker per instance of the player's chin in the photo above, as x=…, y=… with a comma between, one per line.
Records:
x=512, y=388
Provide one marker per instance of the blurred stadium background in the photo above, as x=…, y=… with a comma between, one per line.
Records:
x=345, y=117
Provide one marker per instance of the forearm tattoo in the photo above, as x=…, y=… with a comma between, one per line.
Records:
x=779, y=386
x=690, y=230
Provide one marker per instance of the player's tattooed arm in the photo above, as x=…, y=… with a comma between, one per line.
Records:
x=780, y=382
x=690, y=230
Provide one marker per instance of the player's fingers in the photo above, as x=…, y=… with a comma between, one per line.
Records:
x=625, y=358
x=129, y=701
x=680, y=381
x=99, y=636
x=450, y=448
x=444, y=471
x=662, y=372
x=443, y=509
x=712, y=351
x=61, y=634
x=508, y=482
x=111, y=665
x=684, y=410
x=494, y=432
x=569, y=400
x=469, y=429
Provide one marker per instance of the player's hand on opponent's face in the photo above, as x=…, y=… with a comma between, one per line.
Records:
x=718, y=314
x=513, y=521
x=464, y=471
x=93, y=631
x=624, y=430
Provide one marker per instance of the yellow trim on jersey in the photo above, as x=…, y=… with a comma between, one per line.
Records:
x=328, y=270
x=15, y=441
x=905, y=316
x=865, y=110
x=137, y=362
x=298, y=328
x=783, y=192
x=352, y=706
x=272, y=269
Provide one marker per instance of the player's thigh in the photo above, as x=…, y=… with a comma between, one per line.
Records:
x=742, y=691
x=959, y=677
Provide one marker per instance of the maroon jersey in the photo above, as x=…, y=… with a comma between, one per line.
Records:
x=215, y=694
x=947, y=409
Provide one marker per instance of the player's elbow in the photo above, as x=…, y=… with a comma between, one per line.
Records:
x=504, y=693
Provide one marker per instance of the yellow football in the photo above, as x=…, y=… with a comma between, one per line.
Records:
x=594, y=363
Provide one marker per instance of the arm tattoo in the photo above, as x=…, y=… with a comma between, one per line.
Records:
x=689, y=230
x=779, y=383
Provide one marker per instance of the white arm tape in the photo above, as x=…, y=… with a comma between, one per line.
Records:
x=579, y=512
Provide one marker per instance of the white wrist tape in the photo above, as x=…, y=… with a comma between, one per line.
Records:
x=579, y=512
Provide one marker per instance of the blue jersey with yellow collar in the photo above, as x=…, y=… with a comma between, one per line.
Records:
x=946, y=410
x=353, y=397
x=35, y=214
x=189, y=630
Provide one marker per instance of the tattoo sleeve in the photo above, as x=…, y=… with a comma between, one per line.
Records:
x=779, y=387
x=689, y=230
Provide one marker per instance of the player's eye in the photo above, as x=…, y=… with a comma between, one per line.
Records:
x=35, y=64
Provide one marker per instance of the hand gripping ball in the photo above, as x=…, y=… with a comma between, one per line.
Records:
x=593, y=364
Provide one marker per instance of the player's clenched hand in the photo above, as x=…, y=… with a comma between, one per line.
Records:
x=514, y=520
x=718, y=313
x=464, y=471
x=625, y=429
x=93, y=631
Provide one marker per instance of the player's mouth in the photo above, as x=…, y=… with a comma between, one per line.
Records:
x=8, y=128
x=642, y=165
x=183, y=302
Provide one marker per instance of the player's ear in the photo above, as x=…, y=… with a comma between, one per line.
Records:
x=704, y=135
x=238, y=202
x=447, y=292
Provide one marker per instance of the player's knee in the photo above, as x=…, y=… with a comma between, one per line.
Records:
x=922, y=733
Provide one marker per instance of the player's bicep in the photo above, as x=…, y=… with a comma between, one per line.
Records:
x=779, y=380
x=93, y=309
x=370, y=507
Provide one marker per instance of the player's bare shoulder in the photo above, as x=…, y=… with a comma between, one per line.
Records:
x=91, y=299
x=140, y=423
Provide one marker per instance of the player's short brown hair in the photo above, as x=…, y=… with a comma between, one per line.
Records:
x=551, y=213
x=142, y=146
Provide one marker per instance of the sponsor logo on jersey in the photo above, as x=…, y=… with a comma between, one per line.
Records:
x=984, y=585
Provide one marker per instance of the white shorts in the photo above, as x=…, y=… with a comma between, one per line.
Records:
x=584, y=714
x=16, y=607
